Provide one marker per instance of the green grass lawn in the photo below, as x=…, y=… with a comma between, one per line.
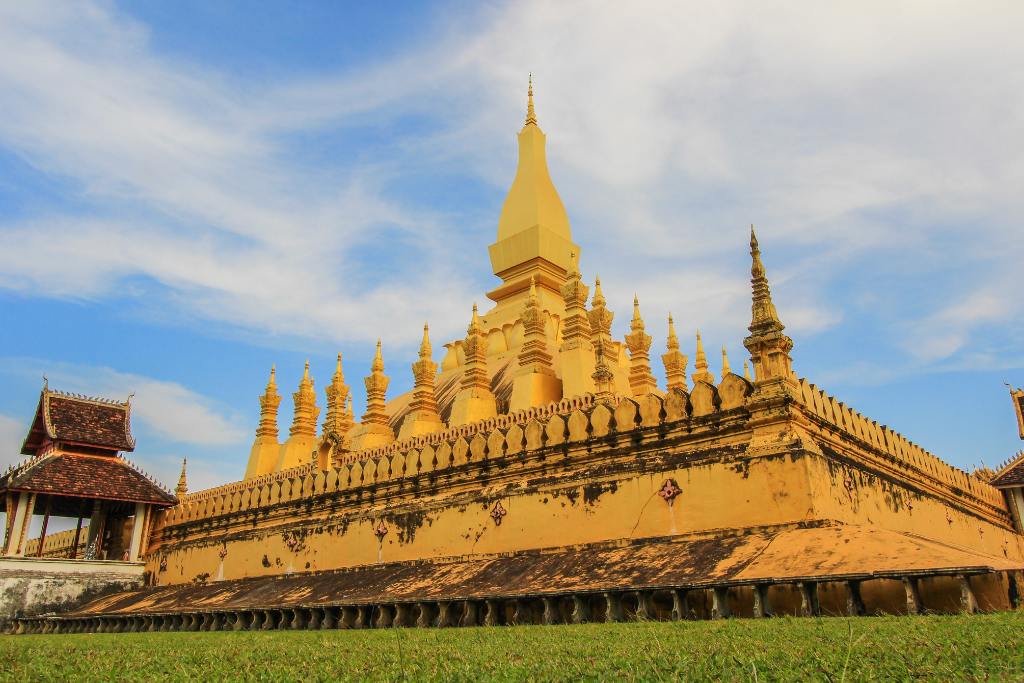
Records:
x=988, y=647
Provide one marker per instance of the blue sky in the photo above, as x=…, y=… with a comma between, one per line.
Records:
x=192, y=191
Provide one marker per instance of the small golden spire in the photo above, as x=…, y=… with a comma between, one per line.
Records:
x=636, y=309
x=273, y=377
x=701, y=364
x=378, y=360
x=531, y=115
x=726, y=370
x=337, y=368
x=182, y=487
x=746, y=371
x=574, y=264
x=598, y=299
x=425, y=349
x=641, y=381
x=474, y=323
x=533, y=288
x=305, y=373
x=672, y=344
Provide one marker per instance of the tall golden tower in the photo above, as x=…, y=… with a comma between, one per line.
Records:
x=265, y=452
x=374, y=430
x=301, y=443
x=534, y=239
x=474, y=400
x=641, y=381
x=535, y=383
x=423, y=417
x=674, y=360
x=769, y=347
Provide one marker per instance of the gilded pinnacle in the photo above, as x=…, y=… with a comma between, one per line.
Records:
x=725, y=363
x=378, y=360
x=182, y=487
x=425, y=349
x=673, y=341
x=598, y=299
x=272, y=383
x=531, y=115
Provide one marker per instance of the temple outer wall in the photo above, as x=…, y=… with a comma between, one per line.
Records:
x=34, y=586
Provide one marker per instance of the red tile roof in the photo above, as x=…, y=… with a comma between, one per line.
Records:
x=68, y=418
x=86, y=476
x=1011, y=473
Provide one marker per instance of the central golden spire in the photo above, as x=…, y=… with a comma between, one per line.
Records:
x=534, y=238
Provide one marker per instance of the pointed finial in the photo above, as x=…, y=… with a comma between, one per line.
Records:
x=273, y=377
x=598, y=299
x=531, y=115
x=305, y=373
x=378, y=360
x=348, y=405
x=746, y=371
x=725, y=363
x=425, y=349
x=574, y=263
x=182, y=487
x=636, y=308
x=337, y=368
x=673, y=341
x=474, y=322
x=533, y=288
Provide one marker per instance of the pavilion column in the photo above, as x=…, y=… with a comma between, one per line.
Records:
x=19, y=524
x=96, y=520
x=46, y=523
x=914, y=605
x=141, y=510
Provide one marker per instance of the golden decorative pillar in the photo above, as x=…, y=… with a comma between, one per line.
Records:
x=302, y=442
x=674, y=360
x=641, y=381
x=375, y=428
x=266, y=449
x=769, y=347
x=605, y=353
x=423, y=417
x=576, y=354
x=535, y=383
x=474, y=401
x=335, y=425
x=701, y=364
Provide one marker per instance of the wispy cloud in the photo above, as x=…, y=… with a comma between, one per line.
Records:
x=12, y=433
x=856, y=136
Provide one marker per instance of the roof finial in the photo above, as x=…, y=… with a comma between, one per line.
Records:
x=273, y=375
x=746, y=370
x=726, y=370
x=305, y=373
x=531, y=115
x=598, y=299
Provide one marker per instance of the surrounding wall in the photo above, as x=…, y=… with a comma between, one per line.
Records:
x=572, y=474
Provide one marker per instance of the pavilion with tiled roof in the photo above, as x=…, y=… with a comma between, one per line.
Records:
x=76, y=469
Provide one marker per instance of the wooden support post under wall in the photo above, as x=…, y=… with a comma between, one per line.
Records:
x=580, y=610
x=762, y=607
x=854, y=601
x=551, y=615
x=809, y=599
x=720, y=603
x=46, y=523
x=914, y=605
x=645, y=606
x=612, y=607
x=968, y=602
x=679, y=611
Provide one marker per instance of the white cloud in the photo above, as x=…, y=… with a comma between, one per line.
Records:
x=12, y=433
x=854, y=135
